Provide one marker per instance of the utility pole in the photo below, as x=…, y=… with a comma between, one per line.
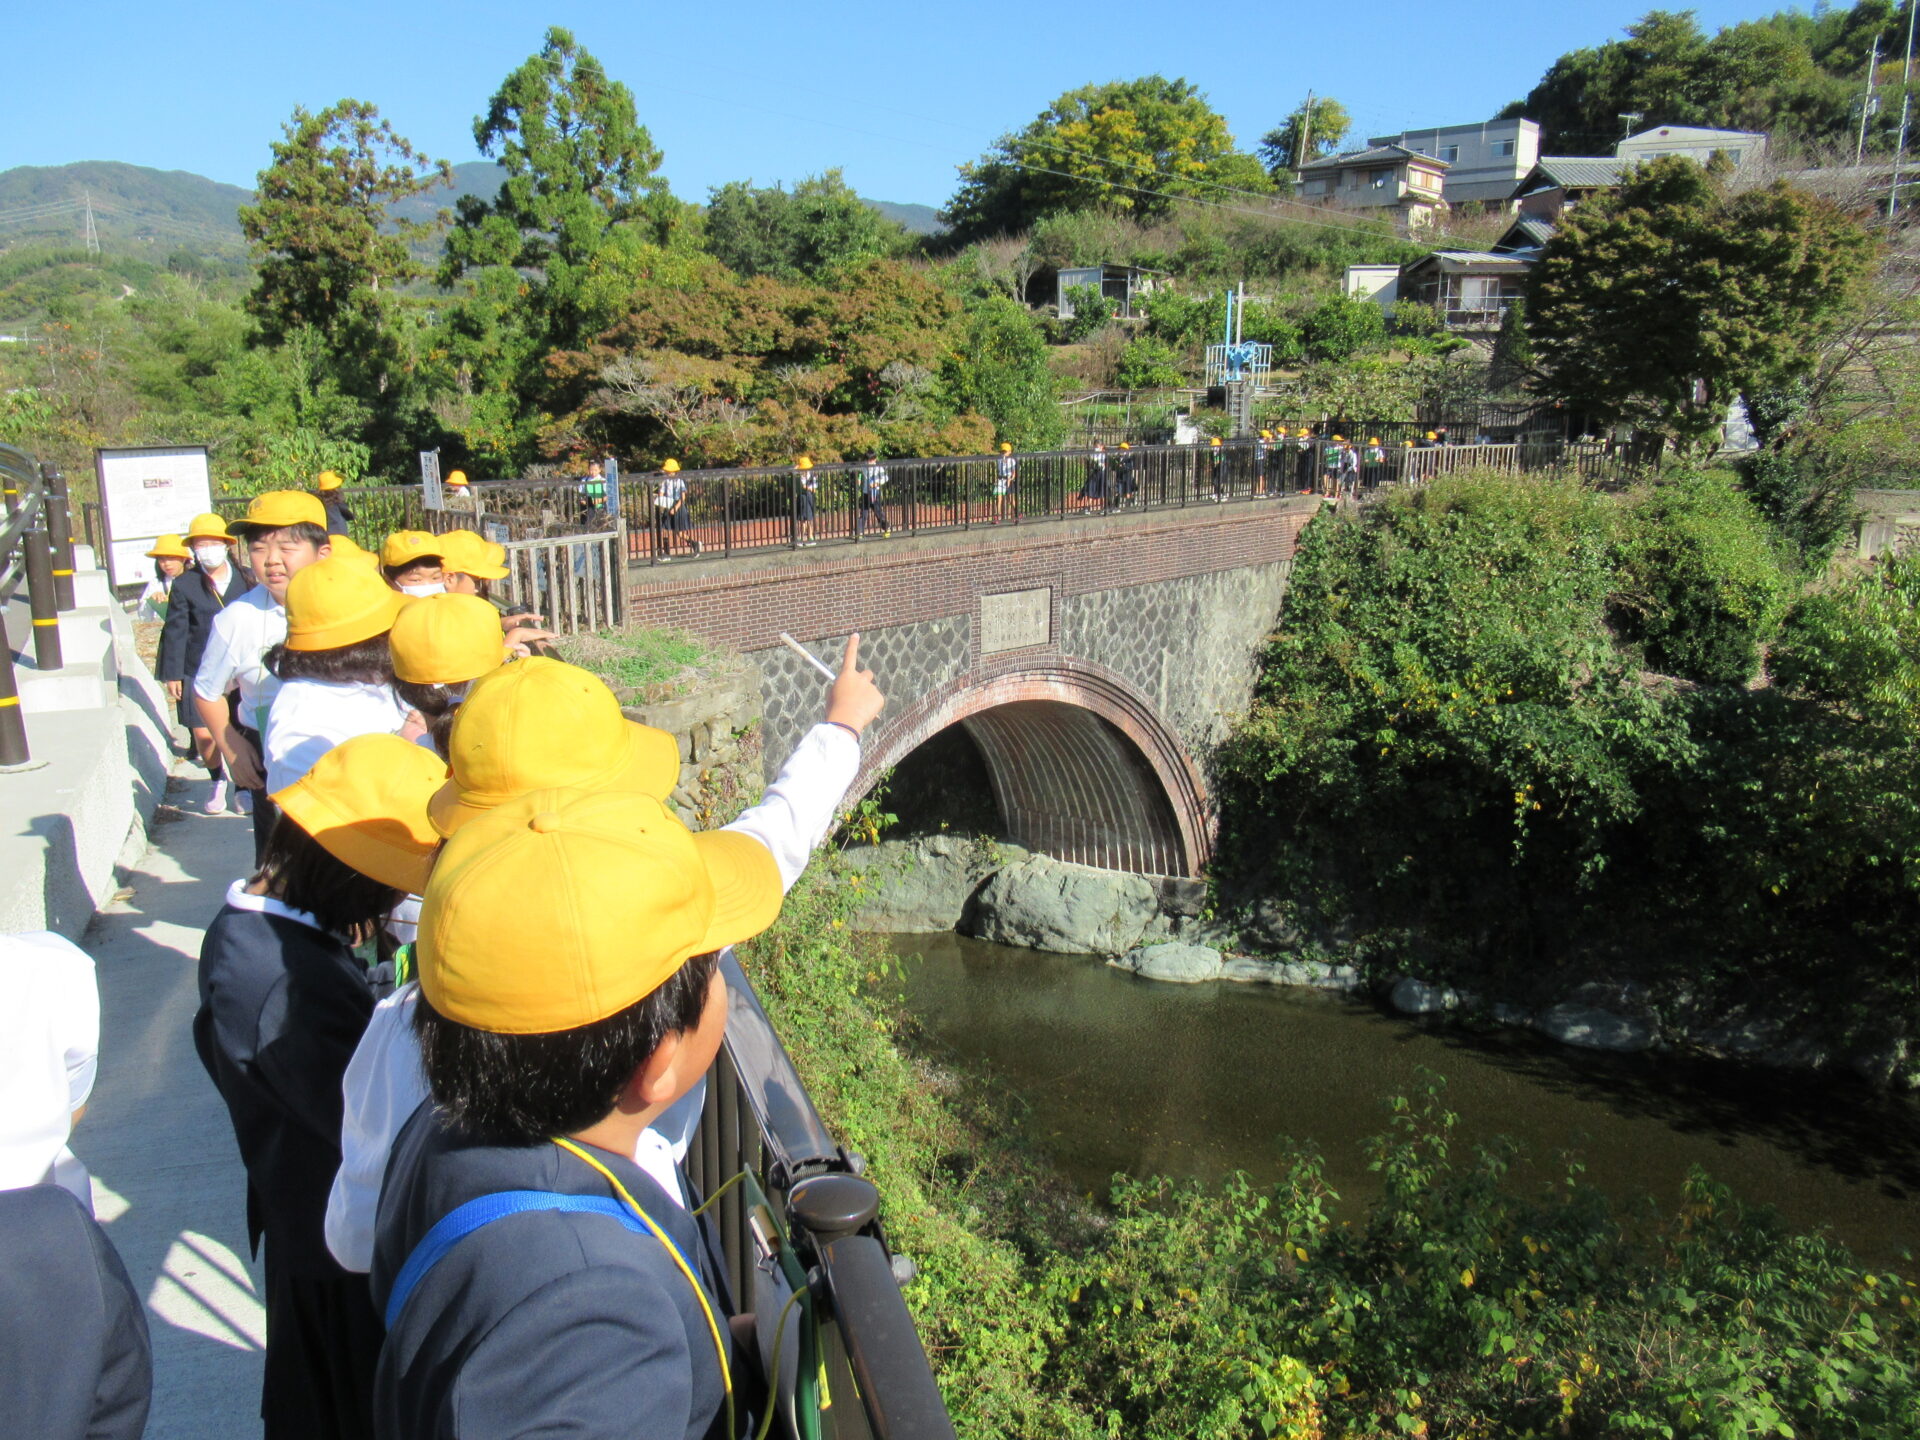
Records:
x=93, y=235
x=1866, y=104
x=1304, y=151
x=1906, y=110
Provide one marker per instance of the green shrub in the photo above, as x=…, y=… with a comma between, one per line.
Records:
x=1092, y=313
x=1701, y=589
x=1340, y=328
x=1148, y=363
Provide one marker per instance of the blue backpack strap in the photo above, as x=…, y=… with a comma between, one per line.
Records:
x=456, y=1225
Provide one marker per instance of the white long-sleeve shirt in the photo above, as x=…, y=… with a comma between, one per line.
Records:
x=385, y=1083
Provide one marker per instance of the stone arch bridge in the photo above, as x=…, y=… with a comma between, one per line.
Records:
x=1091, y=662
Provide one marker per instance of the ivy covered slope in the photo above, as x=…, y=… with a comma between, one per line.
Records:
x=1525, y=732
x=1479, y=1297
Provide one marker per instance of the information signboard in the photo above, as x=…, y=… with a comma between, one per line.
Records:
x=431, y=494
x=147, y=492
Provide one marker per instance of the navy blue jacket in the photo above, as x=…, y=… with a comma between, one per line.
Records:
x=191, y=606
x=75, y=1363
x=541, y=1323
x=282, y=1007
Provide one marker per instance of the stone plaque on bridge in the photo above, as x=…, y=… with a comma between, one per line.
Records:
x=1015, y=619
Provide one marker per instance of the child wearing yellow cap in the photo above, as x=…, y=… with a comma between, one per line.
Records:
x=208, y=585
x=410, y=559
x=541, y=725
x=284, y=531
x=327, y=486
x=334, y=667
x=440, y=646
x=283, y=1002
x=170, y=557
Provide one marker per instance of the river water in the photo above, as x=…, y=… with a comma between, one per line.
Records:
x=1112, y=1073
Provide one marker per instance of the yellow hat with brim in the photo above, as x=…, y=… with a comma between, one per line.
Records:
x=670, y=467
x=169, y=547
x=466, y=553
x=277, y=509
x=447, y=640
x=345, y=547
x=207, y=527
x=328, y=480
x=457, y=477
x=403, y=547
x=543, y=724
x=365, y=801
x=339, y=601
x=568, y=906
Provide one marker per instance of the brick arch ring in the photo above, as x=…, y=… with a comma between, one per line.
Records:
x=1083, y=767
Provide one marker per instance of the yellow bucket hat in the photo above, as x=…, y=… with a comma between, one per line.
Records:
x=457, y=477
x=566, y=907
x=403, y=547
x=466, y=553
x=207, y=527
x=542, y=724
x=339, y=601
x=328, y=480
x=277, y=509
x=169, y=547
x=365, y=801
x=447, y=640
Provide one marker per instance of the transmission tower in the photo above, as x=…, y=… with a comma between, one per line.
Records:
x=93, y=235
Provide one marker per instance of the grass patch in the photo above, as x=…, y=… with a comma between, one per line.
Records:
x=641, y=666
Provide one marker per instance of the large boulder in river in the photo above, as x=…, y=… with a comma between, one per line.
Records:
x=1182, y=964
x=1048, y=904
x=1593, y=1029
x=921, y=886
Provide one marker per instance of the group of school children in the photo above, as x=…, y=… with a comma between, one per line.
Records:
x=462, y=1008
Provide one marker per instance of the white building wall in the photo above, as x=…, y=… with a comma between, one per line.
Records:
x=1488, y=159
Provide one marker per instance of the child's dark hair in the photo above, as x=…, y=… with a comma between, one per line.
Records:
x=365, y=662
x=523, y=1089
x=302, y=873
x=314, y=535
x=436, y=704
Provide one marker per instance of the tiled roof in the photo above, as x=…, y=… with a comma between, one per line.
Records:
x=1529, y=232
x=1578, y=172
x=1373, y=155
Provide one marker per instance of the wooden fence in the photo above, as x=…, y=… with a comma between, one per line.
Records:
x=575, y=582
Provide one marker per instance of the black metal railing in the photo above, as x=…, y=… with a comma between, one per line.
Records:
x=802, y=1249
x=36, y=549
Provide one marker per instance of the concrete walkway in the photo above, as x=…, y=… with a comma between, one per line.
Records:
x=167, y=1178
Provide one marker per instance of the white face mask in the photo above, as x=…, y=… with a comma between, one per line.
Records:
x=434, y=589
x=211, y=557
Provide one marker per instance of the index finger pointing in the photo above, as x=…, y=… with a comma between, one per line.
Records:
x=851, y=660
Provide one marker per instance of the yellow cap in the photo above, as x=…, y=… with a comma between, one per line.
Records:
x=456, y=477
x=1125, y=446
x=670, y=467
x=543, y=724
x=328, y=480
x=567, y=907
x=207, y=527
x=804, y=462
x=1432, y=435
x=365, y=801
x=447, y=640
x=403, y=547
x=1214, y=441
x=466, y=553
x=168, y=547
x=338, y=601
x=1406, y=444
x=1005, y=448
x=277, y=509
x=1266, y=434
x=345, y=547
x=1374, y=441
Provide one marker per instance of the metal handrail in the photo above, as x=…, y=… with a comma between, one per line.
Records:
x=27, y=552
x=806, y=1224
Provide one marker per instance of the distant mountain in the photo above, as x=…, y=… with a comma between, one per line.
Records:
x=918, y=219
x=135, y=209
x=475, y=177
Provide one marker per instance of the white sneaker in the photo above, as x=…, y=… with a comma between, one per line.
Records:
x=217, y=801
x=240, y=802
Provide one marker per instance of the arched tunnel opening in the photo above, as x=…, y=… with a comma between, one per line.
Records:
x=1046, y=775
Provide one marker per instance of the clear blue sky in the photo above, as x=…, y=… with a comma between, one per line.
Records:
x=895, y=94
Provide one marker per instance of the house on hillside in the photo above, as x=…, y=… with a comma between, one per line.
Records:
x=1559, y=183
x=1485, y=161
x=1124, y=285
x=1472, y=289
x=1525, y=236
x=1378, y=283
x=1696, y=142
x=1388, y=180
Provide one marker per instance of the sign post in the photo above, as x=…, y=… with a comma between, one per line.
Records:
x=431, y=495
x=145, y=492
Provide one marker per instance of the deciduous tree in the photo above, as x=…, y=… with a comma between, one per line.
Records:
x=1322, y=123
x=1130, y=145
x=1660, y=304
x=809, y=232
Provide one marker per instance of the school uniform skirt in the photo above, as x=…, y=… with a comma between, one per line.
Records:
x=323, y=1342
